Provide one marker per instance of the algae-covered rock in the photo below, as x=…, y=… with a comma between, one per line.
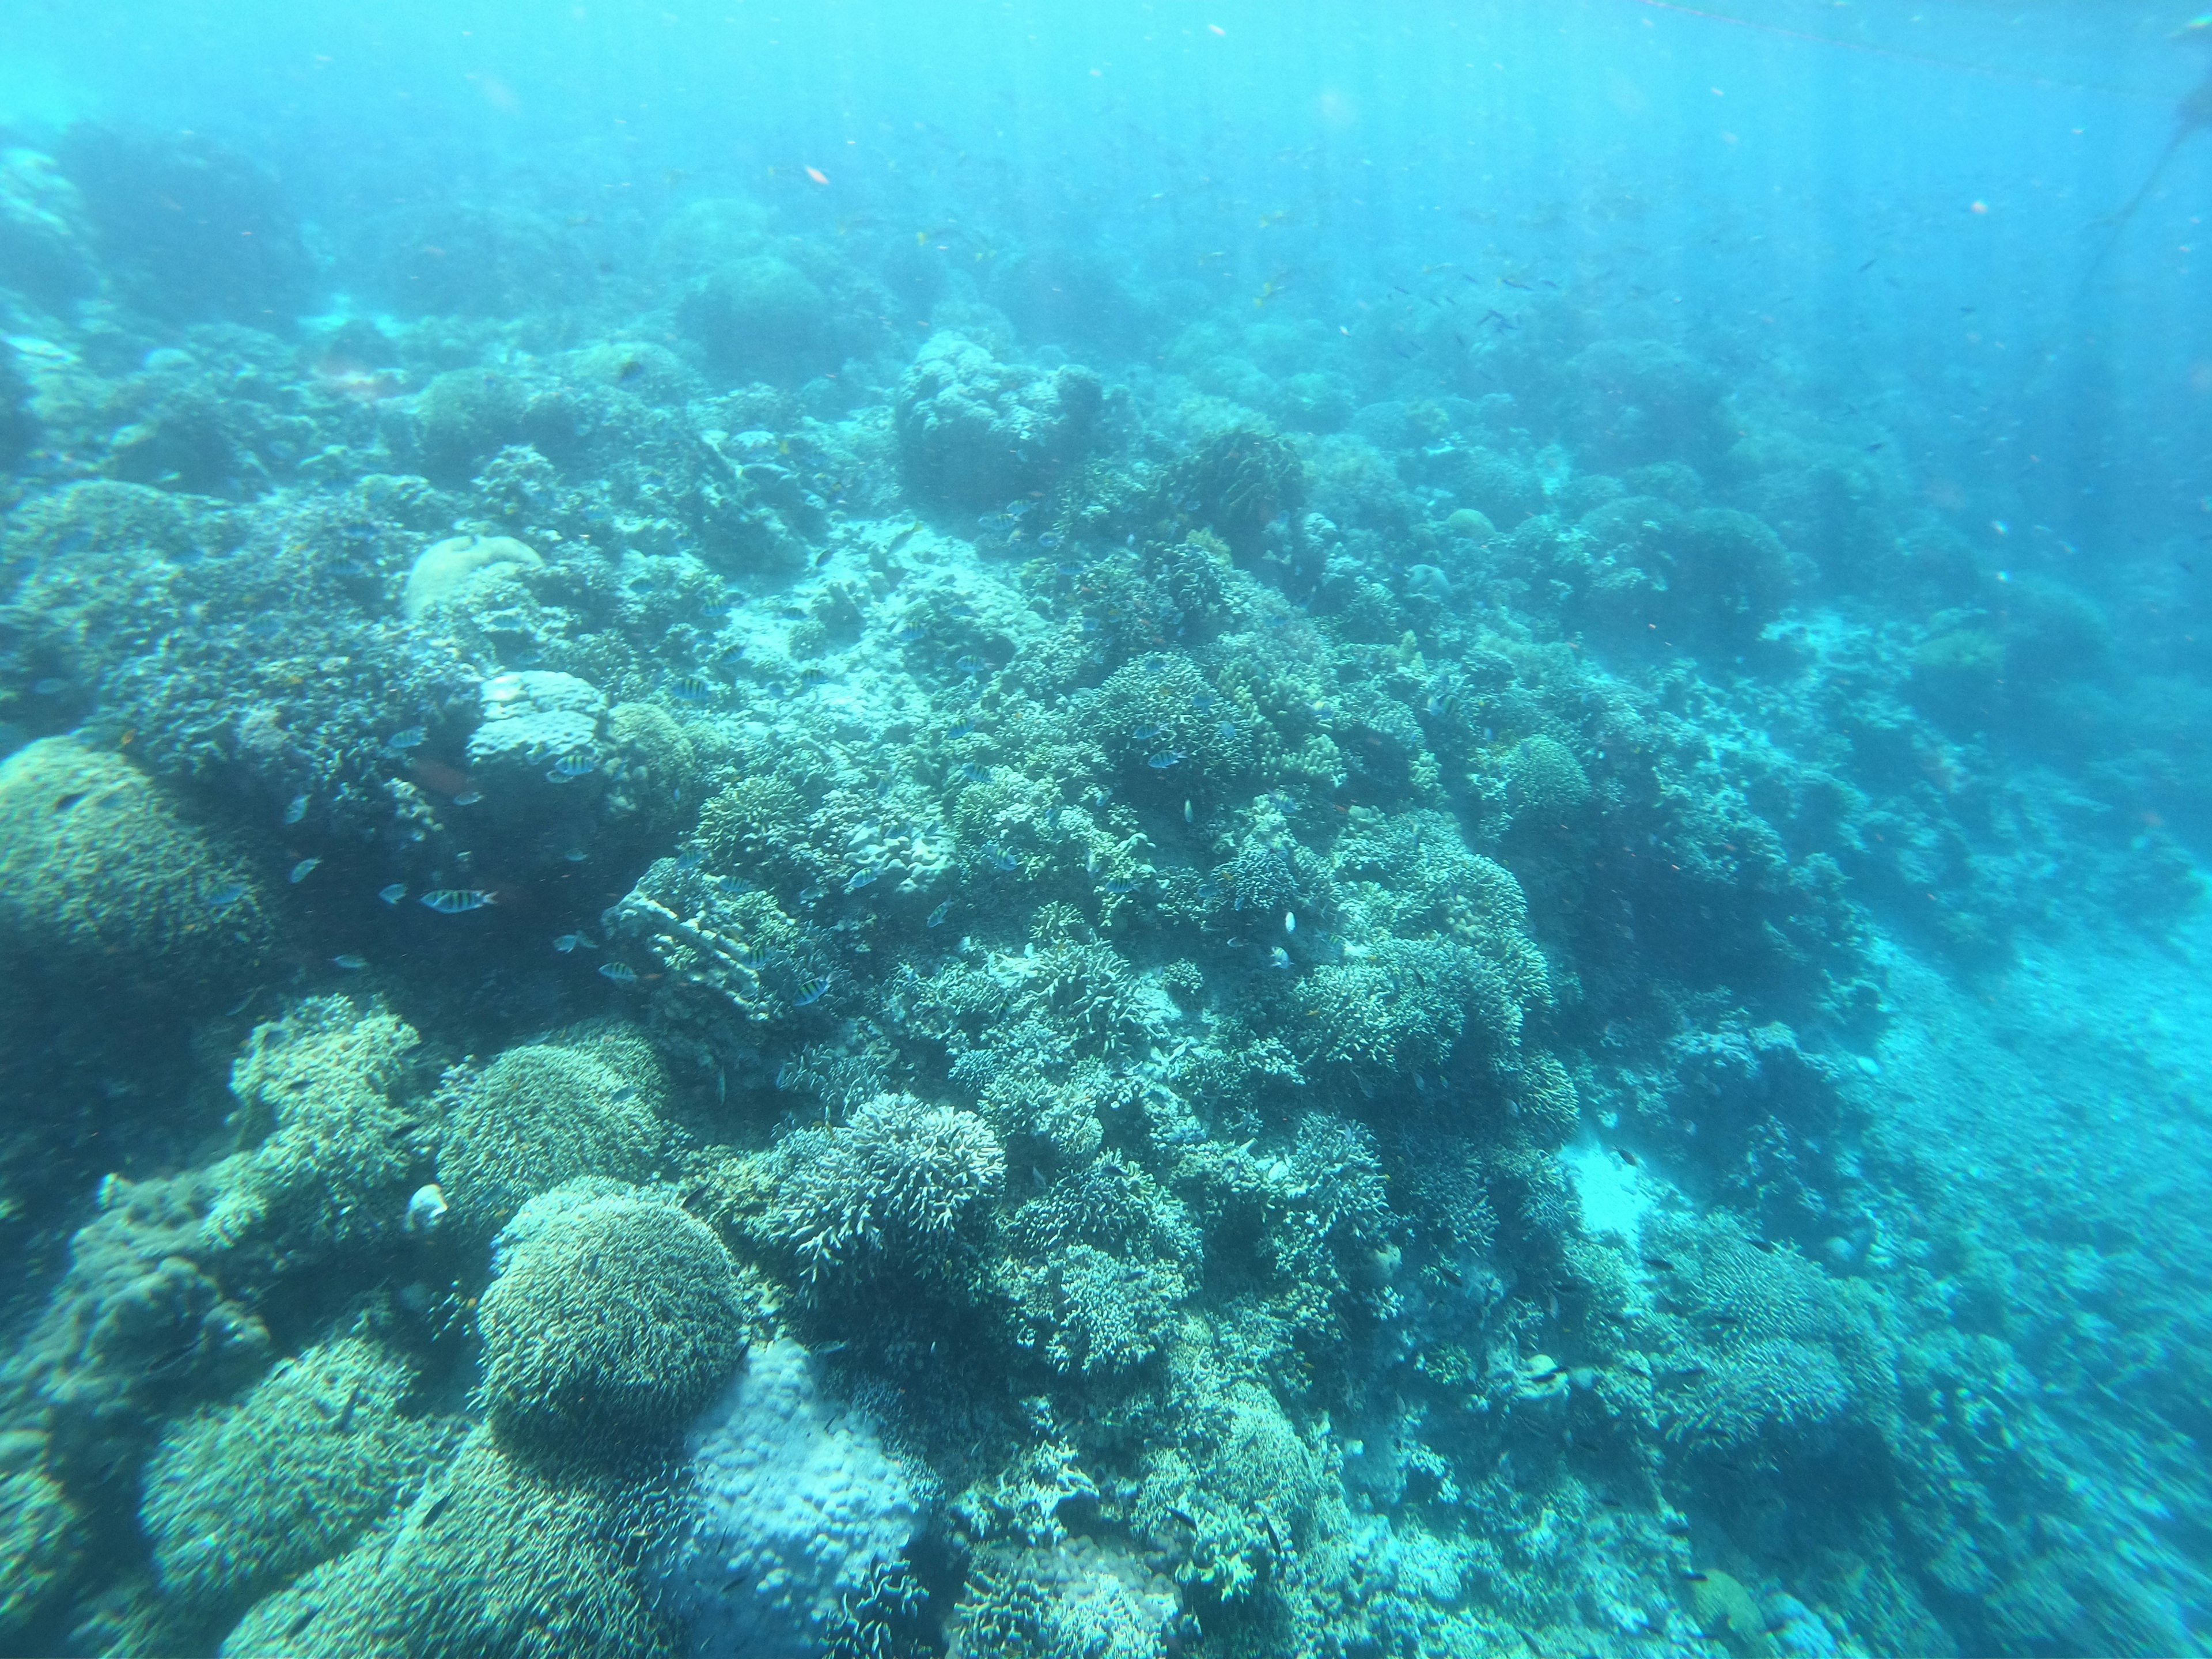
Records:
x=334, y=1147
x=974, y=432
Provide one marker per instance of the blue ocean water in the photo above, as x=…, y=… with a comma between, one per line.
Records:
x=1105, y=832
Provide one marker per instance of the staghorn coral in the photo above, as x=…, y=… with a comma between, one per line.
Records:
x=890, y=1189
x=1096, y=1266
x=1766, y=1349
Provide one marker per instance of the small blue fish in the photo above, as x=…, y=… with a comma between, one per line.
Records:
x=1119, y=887
x=936, y=917
x=1279, y=956
x=49, y=687
x=973, y=773
x=860, y=878
x=971, y=664
x=911, y=634
x=1146, y=734
x=627, y=1092
x=1001, y=859
x=1226, y=731
x=811, y=676
x=452, y=901
x=961, y=728
x=302, y=870
x=576, y=855
x=1443, y=705
x=690, y=688
x=809, y=895
x=688, y=860
x=468, y=798
x=621, y=972
x=811, y=994
x=1161, y=762
x=1068, y=568
x=569, y=942
x=350, y=962
x=1202, y=701
x=296, y=810
x=226, y=896
x=1049, y=540
x=413, y=738
x=392, y=894
x=1209, y=891
x=569, y=767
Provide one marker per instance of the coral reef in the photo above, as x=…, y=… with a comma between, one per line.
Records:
x=241, y=1498
x=611, y=1318
x=753, y=907
x=496, y=1556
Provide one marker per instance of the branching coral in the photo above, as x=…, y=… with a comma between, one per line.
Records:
x=240, y=1498
x=585, y=1102
x=891, y=1189
x=613, y=1318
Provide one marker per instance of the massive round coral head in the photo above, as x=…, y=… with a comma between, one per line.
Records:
x=614, y=1319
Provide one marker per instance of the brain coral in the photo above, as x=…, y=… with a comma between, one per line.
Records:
x=103, y=881
x=795, y=1504
x=613, y=1319
x=442, y=571
x=242, y=1498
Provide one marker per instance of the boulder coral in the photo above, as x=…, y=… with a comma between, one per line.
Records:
x=759, y=318
x=498, y=1557
x=976, y=432
x=796, y=1505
